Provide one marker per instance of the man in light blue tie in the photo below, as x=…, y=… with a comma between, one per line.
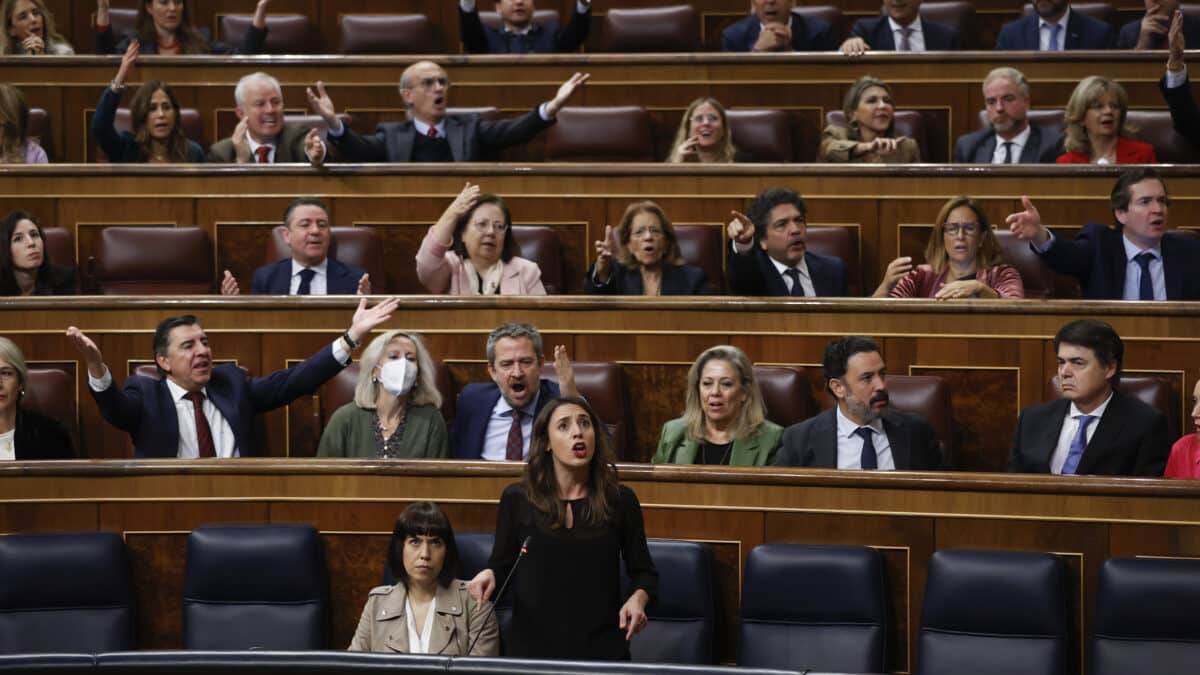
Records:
x=1094, y=428
x=1053, y=26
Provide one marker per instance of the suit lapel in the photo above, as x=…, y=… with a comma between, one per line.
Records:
x=485, y=416
x=774, y=282
x=898, y=440
x=1031, y=34
x=818, y=271
x=688, y=451
x=1108, y=434
x=281, y=277
x=1033, y=145
x=1046, y=439
x=1116, y=261
x=744, y=452
x=220, y=393
x=448, y=608
x=883, y=36
x=457, y=138
x=1072, y=39
x=823, y=441
x=397, y=638
x=405, y=134
x=1173, y=265
x=985, y=150
x=168, y=419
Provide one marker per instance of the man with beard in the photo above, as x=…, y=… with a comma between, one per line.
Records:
x=261, y=135
x=1054, y=27
x=770, y=256
x=1009, y=138
x=900, y=29
x=495, y=421
x=772, y=27
x=195, y=409
x=519, y=34
x=861, y=431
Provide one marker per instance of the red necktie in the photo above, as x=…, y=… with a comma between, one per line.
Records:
x=264, y=153
x=516, y=441
x=432, y=133
x=203, y=432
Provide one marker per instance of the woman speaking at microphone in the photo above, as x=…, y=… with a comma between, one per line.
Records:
x=579, y=521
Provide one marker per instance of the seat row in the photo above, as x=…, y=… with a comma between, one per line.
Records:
x=803, y=607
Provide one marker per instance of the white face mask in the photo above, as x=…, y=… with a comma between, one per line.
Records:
x=397, y=376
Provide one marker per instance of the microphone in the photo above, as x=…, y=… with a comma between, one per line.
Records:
x=492, y=610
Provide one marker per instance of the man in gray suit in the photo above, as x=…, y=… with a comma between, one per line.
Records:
x=861, y=431
x=431, y=135
x=1009, y=138
x=261, y=136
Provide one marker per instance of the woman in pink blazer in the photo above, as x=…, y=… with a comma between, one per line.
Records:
x=469, y=251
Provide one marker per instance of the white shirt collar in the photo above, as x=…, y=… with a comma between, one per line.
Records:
x=801, y=267
x=1097, y=413
x=1019, y=141
x=847, y=427
x=915, y=26
x=254, y=146
x=1062, y=22
x=321, y=269
x=178, y=392
x=423, y=128
x=1132, y=250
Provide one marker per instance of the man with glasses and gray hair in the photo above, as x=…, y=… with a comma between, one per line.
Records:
x=430, y=134
x=494, y=421
x=1009, y=137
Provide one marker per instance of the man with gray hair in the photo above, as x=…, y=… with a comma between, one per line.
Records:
x=494, y=421
x=261, y=136
x=430, y=134
x=1009, y=137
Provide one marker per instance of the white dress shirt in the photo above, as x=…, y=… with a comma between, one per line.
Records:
x=802, y=268
x=495, y=440
x=850, y=444
x=320, y=281
x=418, y=641
x=1044, y=32
x=916, y=39
x=423, y=128
x=8, y=446
x=254, y=146
x=1070, y=426
x=1018, y=145
x=1133, y=272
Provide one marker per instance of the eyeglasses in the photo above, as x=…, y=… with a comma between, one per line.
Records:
x=701, y=119
x=969, y=229
x=643, y=231
x=484, y=226
x=432, y=82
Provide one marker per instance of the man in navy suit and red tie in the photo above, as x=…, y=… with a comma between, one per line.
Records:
x=309, y=270
x=1094, y=428
x=195, y=409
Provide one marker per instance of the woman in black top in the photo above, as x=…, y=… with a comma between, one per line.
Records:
x=566, y=595
x=25, y=434
x=165, y=27
x=25, y=267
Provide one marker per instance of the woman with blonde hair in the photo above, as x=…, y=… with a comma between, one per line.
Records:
x=1096, y=132
x=870, y=135
x=648, y=260
x=29, y=25
x=963, y=259
x=165, y=28
x=25, y=434
x=704, y=135
x=396, y=412
x=724, y=419
x=16, y=147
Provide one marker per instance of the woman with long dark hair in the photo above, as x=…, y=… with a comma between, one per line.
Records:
x=25, y=267
x=165, y=27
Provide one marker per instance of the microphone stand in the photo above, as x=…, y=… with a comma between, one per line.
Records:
x=492, y=610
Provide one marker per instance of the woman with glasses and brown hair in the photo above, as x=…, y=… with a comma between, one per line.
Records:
x=470, y=250
x=647, y=257
x=963, y=259
x=1096, y=132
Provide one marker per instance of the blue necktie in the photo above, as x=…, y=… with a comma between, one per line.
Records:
x=1078, y=445
x=1146, y=284
x=797, y=287
x=868, y=452
x=1052, y=46
x=306, y=277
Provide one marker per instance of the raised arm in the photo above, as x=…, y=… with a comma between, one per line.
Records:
x=432, y=268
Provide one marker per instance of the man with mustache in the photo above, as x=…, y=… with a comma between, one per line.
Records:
x=309, y=270
x=1151, y=31
x=495, y=421
x=861, y=431
x=901, y=29
x=1009, y=138
x=1094, y=428
x=770, y=255
x=1137, y=260
x=197, y=409
x=1055, y=27
x=261, y=135
x=772, y=27
x=518, y=33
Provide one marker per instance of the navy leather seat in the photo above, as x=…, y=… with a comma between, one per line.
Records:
x=268, y=663
x=47, y=664
x=254, y=586
x=996, y=612
x=680, y=627
x=808, y=607
x=64, y=593
x=1146, y=620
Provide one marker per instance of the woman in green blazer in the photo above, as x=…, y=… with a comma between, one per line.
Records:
x=724, y=420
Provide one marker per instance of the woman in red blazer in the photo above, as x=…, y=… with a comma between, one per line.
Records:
x=1185, y=454
x=1095, y=127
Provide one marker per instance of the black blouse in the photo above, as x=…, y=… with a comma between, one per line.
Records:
x=567, y=592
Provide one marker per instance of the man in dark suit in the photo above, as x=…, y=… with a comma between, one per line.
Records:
x=1009, y=138
x=1044, y=30
x=1151, y=31
x=772, y=27
x=770, y=255
x=861, y=431
x=429, y=134
x=1139, y=260
x=495, y=421
x=196, y=409
x=1176, y=89
x=1093, y=428
x=261, y=136
x=309, y=270
x=901, y=29
x=519, y=34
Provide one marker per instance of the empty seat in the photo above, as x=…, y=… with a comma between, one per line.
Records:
x=254, y=586
x=994, y=612
x=358, y=247
x=51, y=392
x=839, y=242
x=830, y=14
x=929, y=397
x=385, y=34
x=1038, y=278
x=786, y=394
x=1145, y=617
x=700, y=245
x=765, y=134
x=958, y=15
x=65, y=593
x=1156, y=128
x=153, y=261
x=681, y=618
x=600, y=134
x=674, y=28
x=189, y=120
x=602, y=384
x=286, y=33
x=40, y=130
x=1153, y=391
x=540, y=244
x=807, y=607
